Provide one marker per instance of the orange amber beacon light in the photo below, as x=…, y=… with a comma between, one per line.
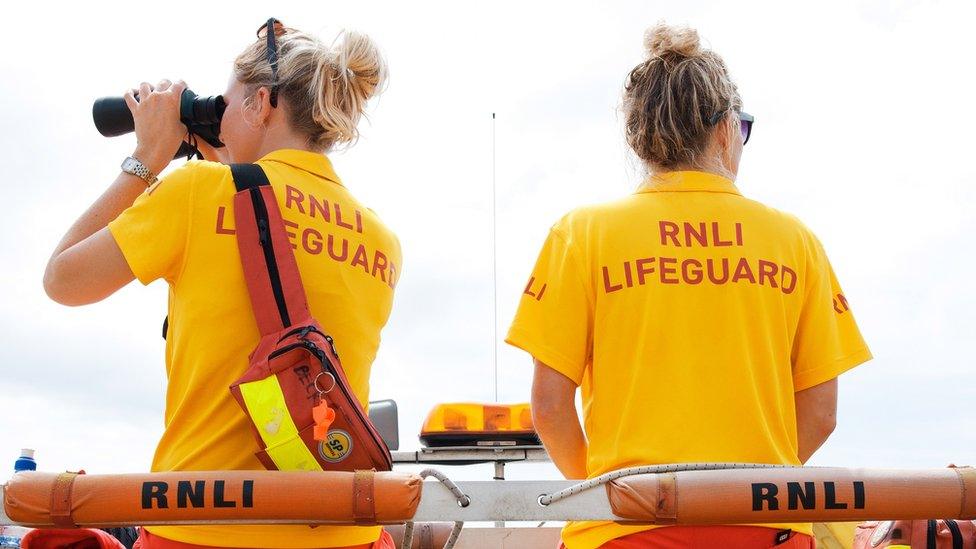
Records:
x=479, y=424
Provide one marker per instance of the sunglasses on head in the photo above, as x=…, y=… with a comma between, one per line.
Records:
x=270, y=31
x=745, y=123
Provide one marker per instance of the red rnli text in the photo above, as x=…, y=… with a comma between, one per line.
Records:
x=313, y=241
x=662, y=269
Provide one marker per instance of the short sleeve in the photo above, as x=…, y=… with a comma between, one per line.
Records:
x=555, y=315
x=827, y=341
x=152, y=233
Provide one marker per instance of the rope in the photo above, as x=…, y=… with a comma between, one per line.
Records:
x=455, y=534
x=462, y=499
x=547, y=499
x=407, y=540
x=449, y=544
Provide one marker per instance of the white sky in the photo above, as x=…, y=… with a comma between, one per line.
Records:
x=864, y=130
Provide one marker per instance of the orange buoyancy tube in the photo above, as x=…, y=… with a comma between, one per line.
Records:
x=69, y=500
x=801, y=494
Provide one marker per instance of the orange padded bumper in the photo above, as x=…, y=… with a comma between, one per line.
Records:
x=794, y=495
x=254, y=497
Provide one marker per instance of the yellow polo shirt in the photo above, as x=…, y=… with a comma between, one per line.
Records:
x=690, y=316
x=182, y=231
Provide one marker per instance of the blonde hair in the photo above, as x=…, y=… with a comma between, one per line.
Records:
x=671, y=96
x=325, y=88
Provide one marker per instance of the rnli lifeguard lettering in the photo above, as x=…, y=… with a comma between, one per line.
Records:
x=689, y=270
x=765, y=496
x=683, y=302
x=840, y=304
x=192, y=495
x=533, y=291
x=374, y=263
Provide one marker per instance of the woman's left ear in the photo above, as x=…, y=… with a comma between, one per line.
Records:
x=723, y=136
x=724, y=131
x=259, y=107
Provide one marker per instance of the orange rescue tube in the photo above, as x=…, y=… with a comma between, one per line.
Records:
x=192, y=497
x=794, y=495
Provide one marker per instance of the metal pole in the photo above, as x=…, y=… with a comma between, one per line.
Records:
x=499, y=475
x=499, y=470
x=494, y=260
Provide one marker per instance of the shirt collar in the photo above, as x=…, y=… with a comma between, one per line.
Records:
x=688, y=181
x=314, y=163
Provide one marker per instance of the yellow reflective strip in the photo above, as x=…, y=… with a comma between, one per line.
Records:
x=293, y=455
x=266, y=406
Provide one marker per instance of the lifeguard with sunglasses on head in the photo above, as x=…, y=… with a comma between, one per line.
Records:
x=291, y=99
x=702, y=326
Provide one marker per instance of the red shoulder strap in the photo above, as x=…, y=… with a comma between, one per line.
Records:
x=273, y=281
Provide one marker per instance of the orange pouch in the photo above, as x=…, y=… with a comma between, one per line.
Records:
x=295, y=367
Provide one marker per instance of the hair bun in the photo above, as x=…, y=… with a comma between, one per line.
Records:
x=662, y=39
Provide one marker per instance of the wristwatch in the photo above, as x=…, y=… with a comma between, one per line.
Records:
x=133, y=166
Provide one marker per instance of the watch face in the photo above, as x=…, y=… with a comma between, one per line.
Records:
x=133, y=166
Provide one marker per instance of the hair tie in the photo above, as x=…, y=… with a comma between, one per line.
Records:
x=334, y=62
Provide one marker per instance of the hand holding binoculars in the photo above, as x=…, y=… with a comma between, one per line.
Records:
x=200, y=115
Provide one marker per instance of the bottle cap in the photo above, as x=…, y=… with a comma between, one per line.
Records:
x=26, y=461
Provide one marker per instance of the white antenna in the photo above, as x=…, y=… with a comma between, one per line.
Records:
x=494, y=261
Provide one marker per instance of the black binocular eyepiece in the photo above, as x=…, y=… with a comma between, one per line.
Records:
x=200, y=115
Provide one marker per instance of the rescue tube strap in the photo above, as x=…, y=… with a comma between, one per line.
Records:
x=426, y=536
x=967, y=477
x=667, y=499
x=61, y=500
x=363, y=497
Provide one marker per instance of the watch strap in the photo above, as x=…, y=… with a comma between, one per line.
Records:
x=132, y=165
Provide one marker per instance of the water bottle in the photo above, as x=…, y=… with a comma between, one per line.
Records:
x=10, y=536
x=26, y=461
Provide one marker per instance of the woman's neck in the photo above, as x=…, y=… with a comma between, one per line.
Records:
x=271, y=145
x=714, y=165
x=719, y=170
x=280, y=136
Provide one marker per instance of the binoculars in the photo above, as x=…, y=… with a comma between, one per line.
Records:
x=200, y=115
